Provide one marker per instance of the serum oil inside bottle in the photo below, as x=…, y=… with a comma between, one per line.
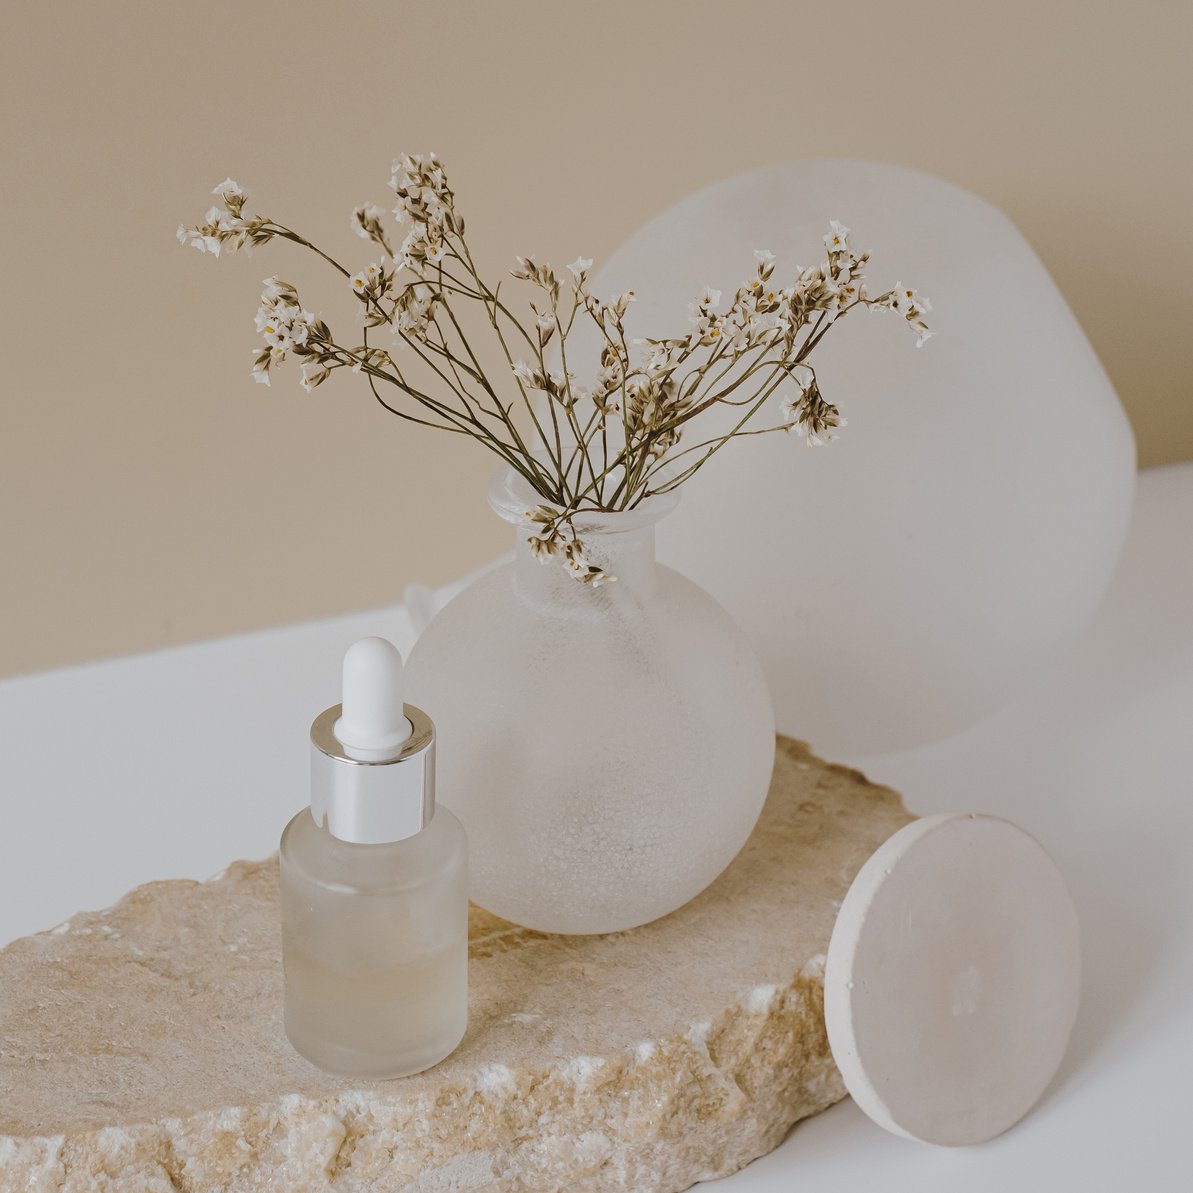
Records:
x=374, y=887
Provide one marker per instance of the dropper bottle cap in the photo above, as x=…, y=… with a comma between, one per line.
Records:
x=373, y=756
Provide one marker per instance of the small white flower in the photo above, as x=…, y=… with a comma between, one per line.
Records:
x=821, y=438
x=660, y=356
x=228, y=190
x=908, y=302
x=841, y=291
x=261, y=375
x=608, y=378
x=359, y=282
x=763, y=256
x=283, y=325
x=708, y=330
x=312, y=375
x=709, y=298
x=837, y=238
x=364, y=217
x=580, y=267
x=198, y=240
x=415, y=311
x=524, y=372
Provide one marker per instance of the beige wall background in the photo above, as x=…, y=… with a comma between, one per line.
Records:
x=151, y=494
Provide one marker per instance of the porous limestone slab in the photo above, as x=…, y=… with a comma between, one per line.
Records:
x=141, y=1047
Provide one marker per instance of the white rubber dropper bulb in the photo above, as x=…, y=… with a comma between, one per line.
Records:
x=372, y=721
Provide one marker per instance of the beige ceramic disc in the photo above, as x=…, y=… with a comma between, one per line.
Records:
x=952, y=979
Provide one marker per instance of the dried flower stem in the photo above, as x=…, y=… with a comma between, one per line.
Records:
x=738, y=358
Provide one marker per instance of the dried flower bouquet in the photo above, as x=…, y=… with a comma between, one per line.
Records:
x=603, y=444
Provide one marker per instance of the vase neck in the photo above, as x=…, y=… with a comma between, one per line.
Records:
x=629, y=555
x=621, y=543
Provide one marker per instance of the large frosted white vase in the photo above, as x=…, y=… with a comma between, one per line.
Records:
x=608, y=749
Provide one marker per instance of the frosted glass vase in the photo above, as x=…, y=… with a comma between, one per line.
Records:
x=608, y=749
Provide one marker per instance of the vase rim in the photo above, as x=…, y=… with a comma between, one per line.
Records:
x=511, y=497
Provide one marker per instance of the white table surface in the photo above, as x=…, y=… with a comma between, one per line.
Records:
x=171, y=764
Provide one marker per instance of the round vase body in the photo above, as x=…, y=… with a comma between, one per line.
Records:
x=608, y=748
x=910, y=579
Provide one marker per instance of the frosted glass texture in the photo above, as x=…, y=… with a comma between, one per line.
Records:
x=375, y=947
x=915, y=575
x=608, y=749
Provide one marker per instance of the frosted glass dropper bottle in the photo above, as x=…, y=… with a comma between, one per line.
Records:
x=374, y=887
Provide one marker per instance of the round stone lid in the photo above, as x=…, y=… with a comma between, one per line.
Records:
x=952, y=979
